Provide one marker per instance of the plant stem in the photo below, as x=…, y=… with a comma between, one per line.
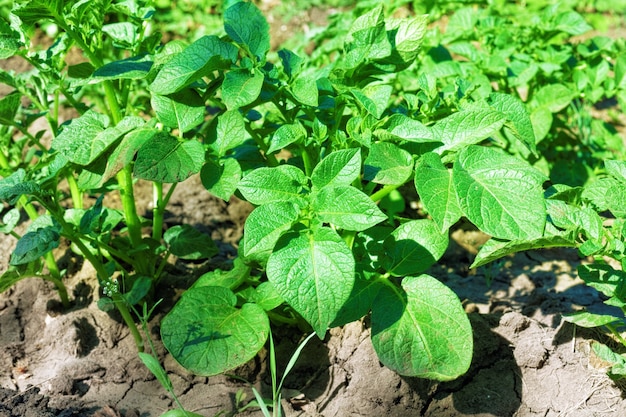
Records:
x=380, y=194
x=122, y=307
x=159, y=203
x=77, y=196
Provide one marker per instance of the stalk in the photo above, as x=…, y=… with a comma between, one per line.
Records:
x=383, y=192
x=159, y=203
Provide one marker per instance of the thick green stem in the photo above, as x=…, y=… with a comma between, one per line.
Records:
x=125, y=181
x=159, y=203
x=307, y=160
x=383, y=192
x=77, y=196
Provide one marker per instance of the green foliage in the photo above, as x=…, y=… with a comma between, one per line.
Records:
x=484, y=120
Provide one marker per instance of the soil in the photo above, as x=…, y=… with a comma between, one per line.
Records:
x=527, y=361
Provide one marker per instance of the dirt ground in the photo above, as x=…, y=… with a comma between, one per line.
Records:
x=527, y=362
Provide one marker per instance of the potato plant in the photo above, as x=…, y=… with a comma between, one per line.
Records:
x=324, y=146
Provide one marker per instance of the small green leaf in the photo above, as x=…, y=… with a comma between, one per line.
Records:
x=208, y=335
x=313, y=272
x=435, y=187
x=617, y=169
x=180, y=413
x=367, y=39
x=10, y=41
x=572, y=23
x=265, y=225
x=589, y=320
x=199, y=59
x=241, y=87
x=285, y=135
x=304, y=89
x=374, y=98
x=346, y=207
x=499, y=193
x=360, y=301
x=124, y=153
x=403, y=127
x=291, y=62
x=122, y=32
x=134, y=68
x=281, y=183
x=9, y=105
x=14, y=274
x=163, y=158
x=141, y=287
x=495, y=249
x=15, y=185
x=183, y=110
x=422, y=330
x=188, y=243
x=230, y=132
x=413, y=248
x=407, y=35
x=338, y=168
x=10, y=220
x=221, y=178
x=35, y=244
x=227, y=279
x=388, y=164
x=246, y=25
x=157, y=370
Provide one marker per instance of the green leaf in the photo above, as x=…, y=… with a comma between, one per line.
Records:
x=77, y=141
x=435, y=187
x=265, y=296
x=338, y=168
x=124, y=153
x=604, y=278
x=422, y=330
x=407, y=35
x=141, y=287
x=246, y=25
x=188, y=243
x=134, y=68
x=617, y=169
x=163, y=158
x=285, y=135
x=401, y=127
x=10, y=220
x=495, y=249
x=221, y=178
x=199, y=59
x=589, y=320
x=346, y=207
x=122, y=32
x=208, y=335
x=467, y=128
x=265, y=225
x=374, y=98
x=518, y=119
x=230, y=132
x=227, y=279
x=388, y=164
x=157, y=370
x=367, y=39
x=35, y=244
x=241, y=87
x=281, y=183
x=413, y=247
x=10, y=41
x=180, y=413
x=9, y=105
x=14, y=274
x=554, y=97
x=36, y=11
x=618, y=370
x=304, y=90
x=15, y=185
x=313, y=272
x=499, y=193
x=291, y=62
x=360, y=301
x=572, y=23
x=183, y=110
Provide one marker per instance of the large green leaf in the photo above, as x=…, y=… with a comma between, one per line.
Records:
x=467, y=128
x=388, y=164
x=338, y=168
x=199, y=59
x=413, y=247
x=281, y=183
x=346, y=207
x=207, y=334
x=241, y=87
x=163, y=158
x=16, y=185
x=246, y=25
x=403, y=127
x=183, y=110
x=421, y=330
x=265, y=225
x=313, y=271
x=133, y=68
x=499, y=193
x=435, y=187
